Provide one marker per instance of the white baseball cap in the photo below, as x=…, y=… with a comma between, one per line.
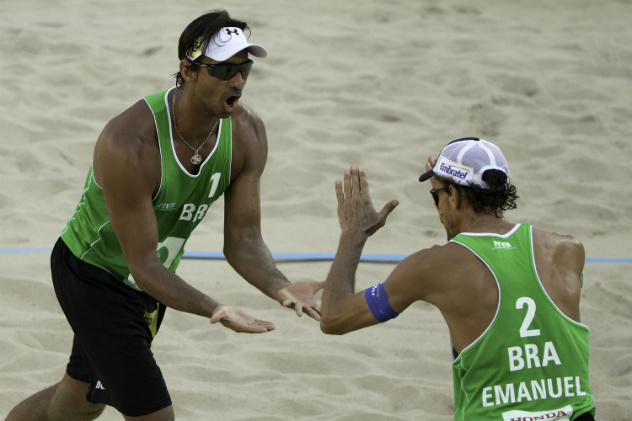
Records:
x=463, y=161
x=228, y=42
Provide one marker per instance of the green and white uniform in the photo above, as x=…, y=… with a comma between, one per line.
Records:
x=532, y=361
x=180, y=204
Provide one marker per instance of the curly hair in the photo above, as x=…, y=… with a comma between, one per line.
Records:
x=205, y=27
x=499, y=197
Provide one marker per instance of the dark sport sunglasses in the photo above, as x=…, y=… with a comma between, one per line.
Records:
x=227, y=71
x=435, y=194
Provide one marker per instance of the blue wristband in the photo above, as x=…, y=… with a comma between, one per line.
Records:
x=377, y=301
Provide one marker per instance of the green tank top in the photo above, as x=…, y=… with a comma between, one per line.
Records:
x=532, y=361
x=182, y=201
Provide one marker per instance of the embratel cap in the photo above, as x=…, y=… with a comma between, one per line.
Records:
x=464, y=161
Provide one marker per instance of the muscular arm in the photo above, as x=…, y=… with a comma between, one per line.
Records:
x=244, y=247
x=127, y=167
x=429, y=275
x=413, y=279
x=342, y=309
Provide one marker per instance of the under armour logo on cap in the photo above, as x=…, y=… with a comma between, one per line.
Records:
x=226, y=43
x=226, y=35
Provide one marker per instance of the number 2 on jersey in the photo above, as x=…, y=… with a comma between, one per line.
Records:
x=525, y=332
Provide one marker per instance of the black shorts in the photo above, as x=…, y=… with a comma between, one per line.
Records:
x=113, y=326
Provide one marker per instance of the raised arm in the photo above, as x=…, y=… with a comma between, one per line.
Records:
x=127, y=167
x=244, y=247
x=343, y=310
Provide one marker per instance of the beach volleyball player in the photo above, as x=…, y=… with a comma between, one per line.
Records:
x=157, y=169
x=508, y=292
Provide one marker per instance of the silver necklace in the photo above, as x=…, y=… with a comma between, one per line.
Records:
x=196, y=158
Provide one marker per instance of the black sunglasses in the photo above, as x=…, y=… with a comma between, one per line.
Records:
x=435, y=194
x=227, y=71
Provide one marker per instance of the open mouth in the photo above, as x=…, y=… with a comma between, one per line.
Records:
x=231, y=103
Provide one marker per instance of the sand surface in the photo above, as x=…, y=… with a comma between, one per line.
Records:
x=374, y=83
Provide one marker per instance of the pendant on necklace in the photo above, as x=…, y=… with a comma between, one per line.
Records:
x=196, y=158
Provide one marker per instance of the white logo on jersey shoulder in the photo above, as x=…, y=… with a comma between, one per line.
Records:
x=502, y=245
x=99, y=385
x=166, y=206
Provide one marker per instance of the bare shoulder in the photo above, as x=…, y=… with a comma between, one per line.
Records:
x=129, y=141
x=440, y=254
x=554, y=243
x=560, y=261
x=563, y=252
x=131, y=130
x=250, y=143
x=553, y=236
x=445, y=255
x=439, y=257
x=247, y=125
x=436, y=269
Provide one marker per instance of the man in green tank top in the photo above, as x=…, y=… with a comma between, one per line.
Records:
x=509, y=293
x=157, y=168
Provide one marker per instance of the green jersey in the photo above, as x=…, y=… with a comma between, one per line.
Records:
x=532, y=361
x=182, y=201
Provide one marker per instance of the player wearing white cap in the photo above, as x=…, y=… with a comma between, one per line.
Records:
x=508, y=292
x=157, y=169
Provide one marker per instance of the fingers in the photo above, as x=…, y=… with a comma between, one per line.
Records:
x=430, y=164
x=364, y=185
x=319, y=285
x=255, y=326
x=289, y=303
x=313, y=313
x=217, y=316
x=240, y=321
x=388, y=208
x=339, y=193
x=352, y=184
x=347, y=184
x=308, y=304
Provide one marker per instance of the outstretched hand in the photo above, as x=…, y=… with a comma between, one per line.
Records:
x=355, y=207
x=301, y=297
x=239, y=321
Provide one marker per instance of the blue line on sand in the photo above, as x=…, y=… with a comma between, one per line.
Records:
x=301, y=257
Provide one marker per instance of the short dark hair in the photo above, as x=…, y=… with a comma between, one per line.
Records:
x=205, y=27
x=499, y=197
